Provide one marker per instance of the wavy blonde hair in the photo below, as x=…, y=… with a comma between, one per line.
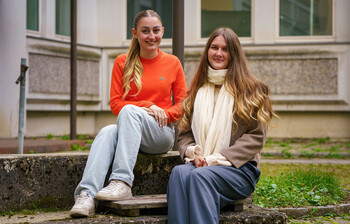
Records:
x=250, y=94
x=133, y=68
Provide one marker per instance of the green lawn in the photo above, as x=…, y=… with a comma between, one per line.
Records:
x=296, y=185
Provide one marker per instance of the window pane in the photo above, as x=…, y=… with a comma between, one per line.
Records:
x=305, y=17
x=63, y=17
x=235, y=14
x=162, y=7
x=33, y=15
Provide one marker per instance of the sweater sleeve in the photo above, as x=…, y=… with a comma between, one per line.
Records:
x=116, y=100
x=248, y=145
x=179, y=89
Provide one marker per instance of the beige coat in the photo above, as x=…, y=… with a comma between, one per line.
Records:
x=246, y=142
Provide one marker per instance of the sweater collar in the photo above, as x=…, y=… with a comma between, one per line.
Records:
x=150, y=61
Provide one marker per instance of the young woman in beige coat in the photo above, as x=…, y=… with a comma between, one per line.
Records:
x=222, y=132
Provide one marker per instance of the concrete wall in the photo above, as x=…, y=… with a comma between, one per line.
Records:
x=311, y=124
x=58, y=123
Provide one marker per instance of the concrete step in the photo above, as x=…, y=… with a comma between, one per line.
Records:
x=49, y=180
x=133, y=206
x=252, y=214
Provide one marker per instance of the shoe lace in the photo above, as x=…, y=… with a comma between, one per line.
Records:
x=83, y=199
x=114, y=185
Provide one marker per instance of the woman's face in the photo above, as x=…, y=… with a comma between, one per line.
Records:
x=149, y=33
x=218, y=54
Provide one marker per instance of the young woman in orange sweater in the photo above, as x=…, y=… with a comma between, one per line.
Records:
x=143, y=81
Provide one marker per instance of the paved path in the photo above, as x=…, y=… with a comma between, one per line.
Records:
x=35, y=218
x=307, y=161
x=42, y=145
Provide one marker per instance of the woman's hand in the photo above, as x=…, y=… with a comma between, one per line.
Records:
x=199, y=161
x=158, y=114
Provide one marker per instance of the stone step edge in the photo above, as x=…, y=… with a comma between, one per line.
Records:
x=339, y=210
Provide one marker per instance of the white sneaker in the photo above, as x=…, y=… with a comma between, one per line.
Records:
x=84, y=206
x=116, y=190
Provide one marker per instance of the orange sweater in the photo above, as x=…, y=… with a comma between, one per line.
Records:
x=161, y=76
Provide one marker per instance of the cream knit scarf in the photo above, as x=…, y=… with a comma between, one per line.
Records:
x=212, y=122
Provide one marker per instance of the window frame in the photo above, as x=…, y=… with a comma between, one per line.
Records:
x=311, y=38
x=38, y=32
x=243, y=40
x=61, y=36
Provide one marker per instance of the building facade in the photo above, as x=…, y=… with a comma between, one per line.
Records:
x=301, y=48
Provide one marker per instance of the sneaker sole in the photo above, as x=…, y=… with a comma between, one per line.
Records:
x=108, y=198
x=79, y=213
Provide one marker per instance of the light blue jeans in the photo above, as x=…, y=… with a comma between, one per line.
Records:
x=118, y=145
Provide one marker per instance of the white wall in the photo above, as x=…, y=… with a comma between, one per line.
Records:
x=87, y=22
x=12, y=49
x=111, y=23
x=264, y=22
x=342, y=18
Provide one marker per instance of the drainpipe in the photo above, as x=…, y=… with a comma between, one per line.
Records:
x=22, y=91
x=73, y=71
x=178, y=40
x=178, y=29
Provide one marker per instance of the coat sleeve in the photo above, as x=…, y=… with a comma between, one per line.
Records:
x=247, y=145
x=185, y=139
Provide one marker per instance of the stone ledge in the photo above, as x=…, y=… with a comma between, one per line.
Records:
x=339, y=210
x=48, y=180
x=252, y=214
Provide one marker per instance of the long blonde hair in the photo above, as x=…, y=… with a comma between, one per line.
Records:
x=133, y=68
x=250, y=94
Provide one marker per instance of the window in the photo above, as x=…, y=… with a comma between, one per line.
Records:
x=63, y=17
x=33, y=15
x=162, y=7
x=235, y=14
x=305, y=17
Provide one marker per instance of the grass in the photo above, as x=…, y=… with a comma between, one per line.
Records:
x=49, y=136
x=81, y=137
x=77, y=147
x=282, y=188
x=298, y=188
x=340, y=171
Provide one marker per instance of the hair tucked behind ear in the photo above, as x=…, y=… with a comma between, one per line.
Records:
x=133, y=68
x=251, y=95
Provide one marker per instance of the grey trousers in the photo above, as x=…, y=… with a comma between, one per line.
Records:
x=118, y=146
x=196, y=195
